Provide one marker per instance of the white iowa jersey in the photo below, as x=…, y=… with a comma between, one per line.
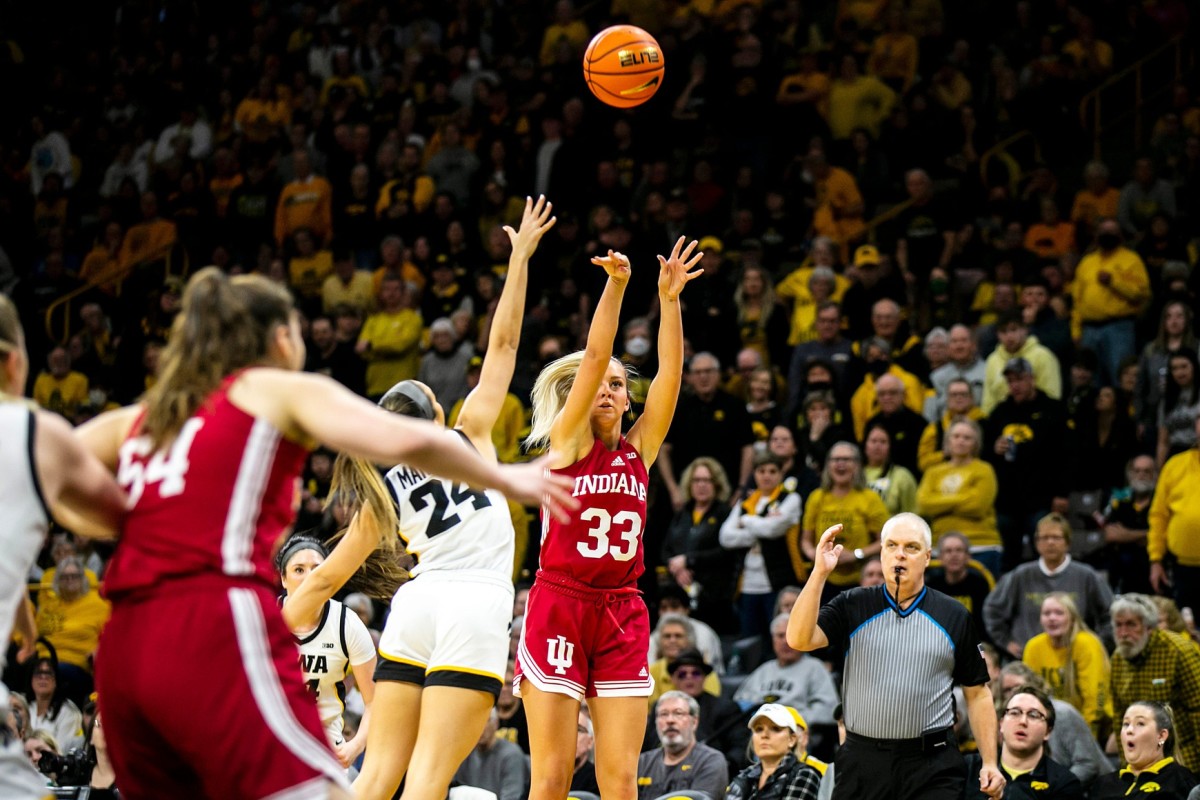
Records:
x=26, y=518
x=450, y=526
x=339, y=642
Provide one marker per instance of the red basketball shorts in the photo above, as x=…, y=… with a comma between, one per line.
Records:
x=201, y=696
x=584, y=642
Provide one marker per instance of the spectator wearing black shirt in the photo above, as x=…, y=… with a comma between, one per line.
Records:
x=873, y=282
x=902, y=424
x=1125, y=522
x=1027, y=721
x=335, y=358
x=926, y=229
x=1025, y=439
x=960, y=577
x=708, y=422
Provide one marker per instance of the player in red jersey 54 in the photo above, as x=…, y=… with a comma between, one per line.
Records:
x=586, y=628
x=200, y=689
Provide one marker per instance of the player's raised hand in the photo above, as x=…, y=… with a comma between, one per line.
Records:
x=535, y=221
x=533, y=483
x=828, y=552
x=675, y=272
x=616, y=265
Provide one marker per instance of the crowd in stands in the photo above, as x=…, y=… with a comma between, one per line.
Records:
x=1012, y=353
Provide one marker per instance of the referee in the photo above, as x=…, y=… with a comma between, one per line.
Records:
x=906, y=646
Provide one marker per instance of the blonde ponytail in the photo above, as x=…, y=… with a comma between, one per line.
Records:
x=223, y=325
x=550, y=392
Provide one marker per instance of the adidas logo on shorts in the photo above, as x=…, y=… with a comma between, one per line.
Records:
x=618, y=462
x=642, y=674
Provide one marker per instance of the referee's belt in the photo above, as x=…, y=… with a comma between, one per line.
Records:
x=929, y=743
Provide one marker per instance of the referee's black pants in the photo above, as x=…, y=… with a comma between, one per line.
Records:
x=880, y=769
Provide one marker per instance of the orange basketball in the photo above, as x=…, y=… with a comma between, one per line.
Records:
x=623, y=66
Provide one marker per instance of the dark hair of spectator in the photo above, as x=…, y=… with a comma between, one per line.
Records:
x=1173, y=393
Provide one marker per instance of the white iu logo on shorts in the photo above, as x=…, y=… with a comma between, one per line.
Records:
x=559, y=654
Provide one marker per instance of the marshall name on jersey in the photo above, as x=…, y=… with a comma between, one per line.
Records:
x=450, y=526
x=602, y=543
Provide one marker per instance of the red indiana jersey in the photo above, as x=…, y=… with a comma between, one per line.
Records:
x=215, y=502
x=602, y=544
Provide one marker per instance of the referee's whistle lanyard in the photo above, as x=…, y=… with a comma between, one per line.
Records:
x=897, y=602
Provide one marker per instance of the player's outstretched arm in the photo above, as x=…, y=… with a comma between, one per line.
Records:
x=482, y=406
x=674, y=273
x=319, y=408
x=303, y=607
x=571, y=433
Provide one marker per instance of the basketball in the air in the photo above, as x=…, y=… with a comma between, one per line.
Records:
x=623, y=66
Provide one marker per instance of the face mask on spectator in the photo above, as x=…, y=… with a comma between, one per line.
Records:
x=638, y=346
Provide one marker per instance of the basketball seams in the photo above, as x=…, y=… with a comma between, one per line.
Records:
x=651, y=71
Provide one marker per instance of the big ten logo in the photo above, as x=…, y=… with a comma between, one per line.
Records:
x=643, y=55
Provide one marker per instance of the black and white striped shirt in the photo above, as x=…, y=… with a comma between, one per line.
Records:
x=901, y=666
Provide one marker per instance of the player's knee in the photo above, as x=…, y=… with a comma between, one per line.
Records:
x=552, y=782
x=617, y=782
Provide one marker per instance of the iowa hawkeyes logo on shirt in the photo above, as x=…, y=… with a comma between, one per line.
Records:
x=1019, y=432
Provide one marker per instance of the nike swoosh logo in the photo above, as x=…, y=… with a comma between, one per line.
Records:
x=639, y=89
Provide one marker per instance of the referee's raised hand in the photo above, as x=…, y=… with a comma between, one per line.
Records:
x=828, y=553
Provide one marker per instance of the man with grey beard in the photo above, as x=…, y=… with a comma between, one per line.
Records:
x=1125, y=522
x=681, y=764
x=1153, y=664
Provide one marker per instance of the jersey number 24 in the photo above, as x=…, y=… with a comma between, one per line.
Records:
x=443, y=519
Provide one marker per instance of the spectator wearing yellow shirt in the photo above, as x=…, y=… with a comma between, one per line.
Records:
x=150, y=239
x=807, y=295
x=1174, y=520
x=857, y=101
x=1073, y=661
x=395, y=262
x=895, y=54
x=511, y=425
x=564, y=30
x=1052, y=237
x=308, y=267
x=844, y=499
x=1096, y=200
x=1091, y=57
x=390, y=339
x=306, y=202
x=864, y=404
x=71, y=617
x=58, y=388
x=1110, y=291
x=806, y=91
x=960, y=494
x=344, y=77
x=959, y=403
x=104, y=260
x=347, y=285
x=1015, y=341
x=410, y=191
x=839, y=205
x=264, y=114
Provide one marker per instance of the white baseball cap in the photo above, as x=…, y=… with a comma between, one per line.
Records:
x=778, y=714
